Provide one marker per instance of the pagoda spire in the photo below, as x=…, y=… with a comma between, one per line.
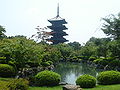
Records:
x=58, y=10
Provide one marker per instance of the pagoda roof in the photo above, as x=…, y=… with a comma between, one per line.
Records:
x=57, y=39
x=55, y=27
x=56, y=18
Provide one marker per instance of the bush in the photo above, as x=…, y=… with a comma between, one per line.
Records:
x=92, y=58
x=50, y=62
x=2, y=60
x=3, y=85
x=109, y=77
x=101, y=61
x=86, y=81
x=114, y=63
x=32, y=64
x=6, y=70
x=45, y=64
x=18, y=84
x=47, y=78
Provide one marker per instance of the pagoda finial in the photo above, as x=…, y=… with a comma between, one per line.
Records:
x=58, y=10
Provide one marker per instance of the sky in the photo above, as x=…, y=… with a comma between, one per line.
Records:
x=84, y=17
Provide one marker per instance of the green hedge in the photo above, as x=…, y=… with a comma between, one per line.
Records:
x=6, y=70
x=109, y=77
x=86, y=81
x=47, y=78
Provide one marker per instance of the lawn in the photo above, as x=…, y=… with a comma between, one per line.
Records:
x=46, y=88
x=99, y=87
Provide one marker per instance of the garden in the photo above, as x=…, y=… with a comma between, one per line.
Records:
x=29, y=65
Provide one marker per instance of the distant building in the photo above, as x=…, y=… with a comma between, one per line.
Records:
x=57, y=28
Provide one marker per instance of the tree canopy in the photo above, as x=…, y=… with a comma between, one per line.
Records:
x=2, y=31
x=111, y=27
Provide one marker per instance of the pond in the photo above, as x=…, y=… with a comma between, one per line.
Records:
x=71, y=71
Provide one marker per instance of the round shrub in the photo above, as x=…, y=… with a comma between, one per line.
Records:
x=47, y=78
x=86, y=81
x=109, y=77
x=6, y=70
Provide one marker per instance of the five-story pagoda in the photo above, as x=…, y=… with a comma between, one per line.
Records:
x=57, y=28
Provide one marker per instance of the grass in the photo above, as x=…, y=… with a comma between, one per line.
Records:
x=99, y=87
x=46, y=88
x=3, y=82
x=105, y=87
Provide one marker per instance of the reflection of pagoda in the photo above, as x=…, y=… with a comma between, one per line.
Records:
x=57, y=28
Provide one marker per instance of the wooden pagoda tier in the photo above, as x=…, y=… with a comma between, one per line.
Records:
x=57, y=28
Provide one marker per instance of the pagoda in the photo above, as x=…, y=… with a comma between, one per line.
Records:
x=57, y=28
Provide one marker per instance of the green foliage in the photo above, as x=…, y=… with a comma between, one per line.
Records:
x=115, y=63
x=101, y=61
x=92, y=58
x=2, y=60
x=86, y=81
x=47, y=78
x=21, y=50
x=111, y=27
x=6, y=70
x=108, y=77
x=88, y=50
x=2, y=31
x=50, y=53
x=32, y=64
x=3, y=85
x=18, y=84
x=65, y=50
x=75, y=45
x=114, y=48
x=45, y=64
x=50, y=62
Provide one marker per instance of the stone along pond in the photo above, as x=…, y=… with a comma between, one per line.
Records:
x=71, y=71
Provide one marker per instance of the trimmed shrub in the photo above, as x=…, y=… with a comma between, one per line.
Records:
x=50, y=62
x=45, y=64
x=109, y=77
x=47, y=78
x=92, y=58
x=18, y=84
x=32, y=64
x=101, y=61
x=86, y=81
x=2, y=60
x=6, y=70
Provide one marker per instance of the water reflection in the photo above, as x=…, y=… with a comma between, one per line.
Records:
x=71, y=71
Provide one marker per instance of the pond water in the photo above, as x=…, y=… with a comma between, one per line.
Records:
x=71, y=71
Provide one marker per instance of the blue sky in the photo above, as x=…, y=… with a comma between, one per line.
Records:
x=21, y=17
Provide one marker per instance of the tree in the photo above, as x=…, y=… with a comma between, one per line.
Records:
x=75, y=45
x=41, y=34
x=111, y=27
x=65, y=50
x=2, y=31
x=114, y=48
x=21, y=50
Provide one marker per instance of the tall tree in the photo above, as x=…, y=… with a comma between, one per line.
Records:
x=2, y=31
x=111, y=27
